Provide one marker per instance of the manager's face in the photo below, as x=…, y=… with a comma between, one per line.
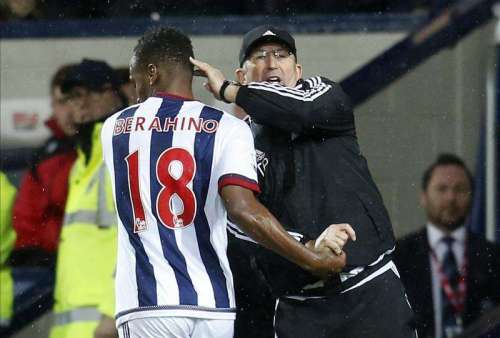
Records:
x=270, y=62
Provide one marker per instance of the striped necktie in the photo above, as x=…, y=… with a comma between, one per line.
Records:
x=450, y=270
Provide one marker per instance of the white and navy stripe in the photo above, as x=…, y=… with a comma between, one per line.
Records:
x=144, y=274
x=163, y=271
x=203, y=154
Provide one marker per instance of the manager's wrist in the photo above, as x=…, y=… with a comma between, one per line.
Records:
x=228, y=91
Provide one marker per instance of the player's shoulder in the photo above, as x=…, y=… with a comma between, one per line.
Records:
x=117, y=114
x=208, y=109
x=234, y=123
x=109, y=123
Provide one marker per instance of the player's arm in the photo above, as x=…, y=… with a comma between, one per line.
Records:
x=319, y=106
x=258, y=223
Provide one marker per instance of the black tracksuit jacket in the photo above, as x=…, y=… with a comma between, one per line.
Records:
x=312, y=173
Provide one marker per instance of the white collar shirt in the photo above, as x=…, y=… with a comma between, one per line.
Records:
x=439, y=247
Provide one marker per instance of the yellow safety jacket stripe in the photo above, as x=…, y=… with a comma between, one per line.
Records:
x=101, y=217
x=81, y=314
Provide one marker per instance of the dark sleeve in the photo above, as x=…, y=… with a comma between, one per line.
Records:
x=291, y=279
x=283, y=277
x=493, y=251
x=316, y=106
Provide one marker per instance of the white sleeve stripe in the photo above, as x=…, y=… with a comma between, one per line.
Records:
x=295, y=235
x=313, y=82
x=283, y=89
x=234, y=227
x=308, y=97
x=299, y=93
x=258, y=85
x=238, y=235
x=236, y=231
x=277, y=86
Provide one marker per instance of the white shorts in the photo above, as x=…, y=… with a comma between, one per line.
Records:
x=176, y=327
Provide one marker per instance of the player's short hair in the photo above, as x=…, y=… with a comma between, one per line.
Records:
x=164, y=44
x=60, y=76
x=445, y=160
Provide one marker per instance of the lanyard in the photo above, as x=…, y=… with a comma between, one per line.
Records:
x=456, y=298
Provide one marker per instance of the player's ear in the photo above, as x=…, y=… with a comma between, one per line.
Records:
x=298, y=70
x=241, y=75
x=152, y=73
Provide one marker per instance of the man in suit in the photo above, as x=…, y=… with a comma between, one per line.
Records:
x=451, y=275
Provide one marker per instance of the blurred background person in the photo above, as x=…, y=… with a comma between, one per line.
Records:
x=39, y=207
x=21, y=10
x=451, y=275
x=127, y=87
x=7, y=239
x=87, y=253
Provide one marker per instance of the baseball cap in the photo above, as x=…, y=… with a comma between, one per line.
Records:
x=91, y=74
x=265, y=33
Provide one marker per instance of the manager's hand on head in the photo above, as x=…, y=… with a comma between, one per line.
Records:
x=215, y=80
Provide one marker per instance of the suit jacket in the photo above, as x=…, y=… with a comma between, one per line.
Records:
x=483, y=278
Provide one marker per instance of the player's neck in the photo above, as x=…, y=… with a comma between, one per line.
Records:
x=177, y=86
x=186, y=94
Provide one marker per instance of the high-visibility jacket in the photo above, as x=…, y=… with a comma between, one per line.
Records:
x=87, y=249
x=7, y=240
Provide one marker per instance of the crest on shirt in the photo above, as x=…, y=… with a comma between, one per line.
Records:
x=140, y=225
x=262, y=162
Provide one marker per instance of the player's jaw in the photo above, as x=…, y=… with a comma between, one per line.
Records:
x=139, y=79
x=142, y=88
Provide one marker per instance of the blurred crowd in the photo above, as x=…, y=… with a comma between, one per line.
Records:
x=92, y=9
